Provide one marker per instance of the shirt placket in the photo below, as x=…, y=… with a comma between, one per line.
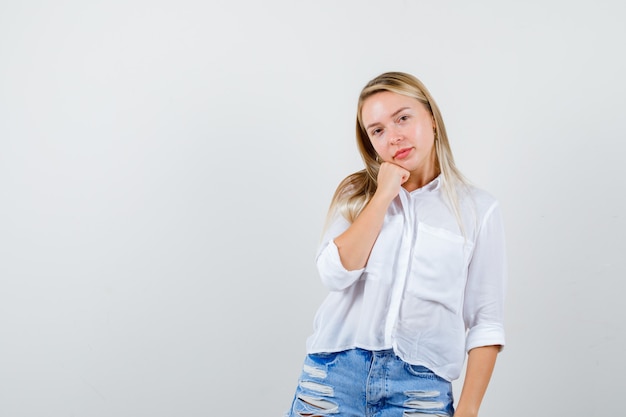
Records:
x=402, y=267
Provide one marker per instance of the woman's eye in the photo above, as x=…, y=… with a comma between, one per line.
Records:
x=376, y=132
x=403, y=118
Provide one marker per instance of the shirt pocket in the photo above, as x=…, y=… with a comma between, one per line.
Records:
x=439, y=267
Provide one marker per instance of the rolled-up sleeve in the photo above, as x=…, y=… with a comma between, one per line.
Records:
x=332, y=272
x=483, y=309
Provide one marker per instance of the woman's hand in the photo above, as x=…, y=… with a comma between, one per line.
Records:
x=355, y=244
x=390, y=179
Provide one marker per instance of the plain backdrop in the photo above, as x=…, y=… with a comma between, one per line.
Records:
x=165, y=169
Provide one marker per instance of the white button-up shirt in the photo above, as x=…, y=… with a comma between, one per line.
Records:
x=427, y=291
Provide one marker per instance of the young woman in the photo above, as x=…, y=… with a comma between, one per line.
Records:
x=414, y=260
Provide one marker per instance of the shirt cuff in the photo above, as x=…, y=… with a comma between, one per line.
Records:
x=334, y=275
x=485, y=335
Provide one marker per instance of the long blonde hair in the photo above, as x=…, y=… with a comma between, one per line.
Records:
x=356, y=190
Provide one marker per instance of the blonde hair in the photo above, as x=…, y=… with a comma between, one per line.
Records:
x=356, y=190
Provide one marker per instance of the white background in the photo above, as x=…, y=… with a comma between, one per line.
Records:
x=165, y=168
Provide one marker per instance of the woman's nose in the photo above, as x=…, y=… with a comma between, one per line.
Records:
x=395, y=136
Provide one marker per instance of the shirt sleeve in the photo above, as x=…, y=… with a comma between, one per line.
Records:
x=332, y=272
x=483, y=310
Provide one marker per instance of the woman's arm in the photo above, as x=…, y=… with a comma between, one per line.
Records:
x=480, y=364
x=355, y=244
x=483, y=311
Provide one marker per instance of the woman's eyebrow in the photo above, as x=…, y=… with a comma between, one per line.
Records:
x=400, y=110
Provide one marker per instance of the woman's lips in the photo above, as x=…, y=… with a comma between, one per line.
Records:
x=402, y=153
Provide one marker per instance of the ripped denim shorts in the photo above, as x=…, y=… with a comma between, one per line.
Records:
x=360, y=383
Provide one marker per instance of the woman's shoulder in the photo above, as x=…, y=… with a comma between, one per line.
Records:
x=478, y=198
x=480, y=193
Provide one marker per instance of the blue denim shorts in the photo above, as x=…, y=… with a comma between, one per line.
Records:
x=360, y=383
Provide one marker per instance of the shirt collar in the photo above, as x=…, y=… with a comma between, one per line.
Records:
x=434, y=185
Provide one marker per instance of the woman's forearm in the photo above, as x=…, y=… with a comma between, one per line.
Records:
x=355, y=244
x=480, y=364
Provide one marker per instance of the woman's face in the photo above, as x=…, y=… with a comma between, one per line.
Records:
x=401, y=130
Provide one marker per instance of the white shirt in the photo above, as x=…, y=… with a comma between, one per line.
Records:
x=427, y=291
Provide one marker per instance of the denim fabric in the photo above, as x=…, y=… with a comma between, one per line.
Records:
x=363, y=383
